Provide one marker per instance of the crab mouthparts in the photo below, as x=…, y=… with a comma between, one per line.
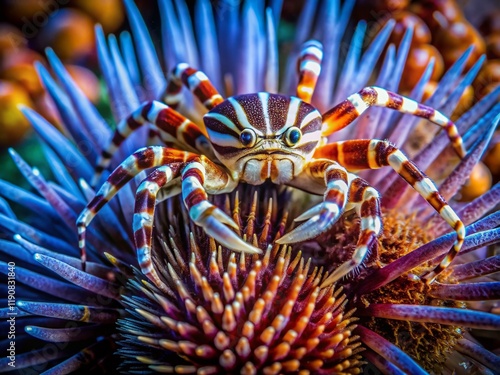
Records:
x=265, y=167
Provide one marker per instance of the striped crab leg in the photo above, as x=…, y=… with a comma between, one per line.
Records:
x=201, y=175
x=347, y=111
x=367, y=203
x=214, y=221
x=373, y=154
x=170, y=126
x=144, y=210
x=196, y=81
x=142, y=159
x=309, y=65
x=202, y=212
x=324, y=215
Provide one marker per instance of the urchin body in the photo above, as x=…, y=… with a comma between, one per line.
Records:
x=259, y=137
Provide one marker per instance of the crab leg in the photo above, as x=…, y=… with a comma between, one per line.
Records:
x=145, y=203
x=170, y=126
x=373, y=154
x=324, y=215
x=198, y=175
x=197, y=82
x=367, y=203
x=203, y=213
x=309, y=69
x=350, y=109
x=142, y=159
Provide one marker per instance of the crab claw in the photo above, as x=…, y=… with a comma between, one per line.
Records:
x=337, y=274
x=222, y=234
x=321, y=218
x=223, y=218
x=316, y=210
x=215, y=223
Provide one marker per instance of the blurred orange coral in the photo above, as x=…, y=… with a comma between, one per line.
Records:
x=13, y=124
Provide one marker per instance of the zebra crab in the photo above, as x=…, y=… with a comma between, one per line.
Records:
x=257, y=137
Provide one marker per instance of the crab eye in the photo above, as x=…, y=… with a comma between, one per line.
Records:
x=248, y=137
x=292, y=136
